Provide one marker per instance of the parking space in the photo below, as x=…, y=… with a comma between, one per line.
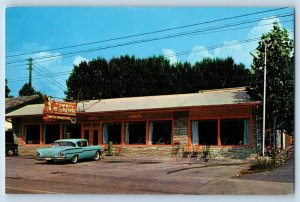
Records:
x=134, y=175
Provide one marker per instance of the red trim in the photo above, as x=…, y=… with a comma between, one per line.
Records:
x=100, y=137
x=189, y=138
x=147, y=133
x=219, y=132
x=61, y=131
x=41, y=134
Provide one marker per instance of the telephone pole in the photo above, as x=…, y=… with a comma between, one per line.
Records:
x=30, y=70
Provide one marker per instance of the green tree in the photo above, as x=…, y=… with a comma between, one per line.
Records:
x=7, y=90
x=92, y=78
x=280, y=77
x=220, y=73
x=128, y=76
x=27, y=90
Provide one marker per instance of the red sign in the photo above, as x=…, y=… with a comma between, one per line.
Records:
x=58, y=110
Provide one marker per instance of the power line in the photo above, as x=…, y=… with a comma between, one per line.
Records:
x=48, y=79
x=151, y=32
x=46, y=72
x=41, y=77
x=53, y=81
x=193, y=32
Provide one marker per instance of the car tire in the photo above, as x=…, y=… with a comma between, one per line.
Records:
x=10, y=152
x=50, y=161
x=74, y=159
x=97, y=156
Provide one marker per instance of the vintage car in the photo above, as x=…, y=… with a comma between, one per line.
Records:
x=69, y=149
x=10, y=147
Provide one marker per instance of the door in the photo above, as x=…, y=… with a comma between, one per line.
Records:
x=95, y=135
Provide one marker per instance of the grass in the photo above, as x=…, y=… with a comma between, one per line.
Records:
x=261, y=165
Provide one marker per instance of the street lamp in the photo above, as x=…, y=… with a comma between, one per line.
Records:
x=254, y=54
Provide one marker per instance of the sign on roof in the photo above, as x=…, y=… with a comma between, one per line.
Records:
x=58, y=110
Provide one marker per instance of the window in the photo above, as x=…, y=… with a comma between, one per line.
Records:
x=204, y=132
x=235, y=132
x=135, y=133
x=51, y=133
x=160, y=132
x=112, y=133
x=32, y=134
x=72, y=131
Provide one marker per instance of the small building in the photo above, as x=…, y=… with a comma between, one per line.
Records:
x=12, y=104
x=222, y=120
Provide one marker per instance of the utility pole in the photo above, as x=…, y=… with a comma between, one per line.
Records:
x=264, y=100
x=30, y=70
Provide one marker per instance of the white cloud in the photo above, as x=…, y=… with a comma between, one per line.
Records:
x=79, y=59
x=170, y=54
x=47, y=59
x=198, y=53
x=264, y=26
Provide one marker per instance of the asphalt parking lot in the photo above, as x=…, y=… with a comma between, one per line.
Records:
x=141, y=175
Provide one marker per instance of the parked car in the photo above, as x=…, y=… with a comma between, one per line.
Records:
x=69, y=149
x=10, y=147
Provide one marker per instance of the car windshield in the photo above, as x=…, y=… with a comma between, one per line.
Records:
x=63, y=144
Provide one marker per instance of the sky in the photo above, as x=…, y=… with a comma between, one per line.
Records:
x=57, y=38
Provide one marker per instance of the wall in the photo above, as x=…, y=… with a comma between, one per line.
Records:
x=180, y=133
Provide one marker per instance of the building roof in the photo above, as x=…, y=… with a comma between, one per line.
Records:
x=14, y=103
x=232, y=96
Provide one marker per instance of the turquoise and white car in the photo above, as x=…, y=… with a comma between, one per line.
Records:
x=69, y=149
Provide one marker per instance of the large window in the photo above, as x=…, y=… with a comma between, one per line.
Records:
x=160, y=132
x=235, y=132
x=232, y=132
x=205, y=132
x=51, y=132
x=112, y=133
x=32, y=134
x=135, y=133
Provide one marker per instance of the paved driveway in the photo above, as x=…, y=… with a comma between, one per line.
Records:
x=124, y=175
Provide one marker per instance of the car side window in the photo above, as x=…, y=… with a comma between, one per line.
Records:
x=79, y=144
x=84, y=143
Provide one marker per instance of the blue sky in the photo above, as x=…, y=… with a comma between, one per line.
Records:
x=42, y=32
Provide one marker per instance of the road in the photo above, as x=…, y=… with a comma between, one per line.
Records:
x=138, y=175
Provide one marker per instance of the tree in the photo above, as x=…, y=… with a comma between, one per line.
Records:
x=221, y=73
x=128, y=76
x=7, y=90
x=280, y=77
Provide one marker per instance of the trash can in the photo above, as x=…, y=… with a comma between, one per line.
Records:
x=110, y=149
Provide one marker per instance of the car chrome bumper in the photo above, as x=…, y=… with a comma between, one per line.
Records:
x=39, y=158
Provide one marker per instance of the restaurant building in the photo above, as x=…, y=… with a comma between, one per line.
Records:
x=222, y=120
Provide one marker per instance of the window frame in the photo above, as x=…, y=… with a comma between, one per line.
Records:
x=219, y=118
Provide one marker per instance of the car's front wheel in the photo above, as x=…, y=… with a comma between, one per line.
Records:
x=97, y=156
x=10, y=152
x=74, y=159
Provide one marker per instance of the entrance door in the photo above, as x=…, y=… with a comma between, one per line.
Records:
x=95, y=141
x=87, y=134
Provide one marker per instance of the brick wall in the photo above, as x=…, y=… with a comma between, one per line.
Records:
x=181, y=127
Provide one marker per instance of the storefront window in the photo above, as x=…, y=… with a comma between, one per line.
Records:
x=72, y=131
x=204, y=132
x=32, y=134
x=160, y=132
x=51, y=133
x=135, y=133
x=235, y=132
x=112, y=133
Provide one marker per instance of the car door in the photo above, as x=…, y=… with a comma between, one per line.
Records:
x=86, y=151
